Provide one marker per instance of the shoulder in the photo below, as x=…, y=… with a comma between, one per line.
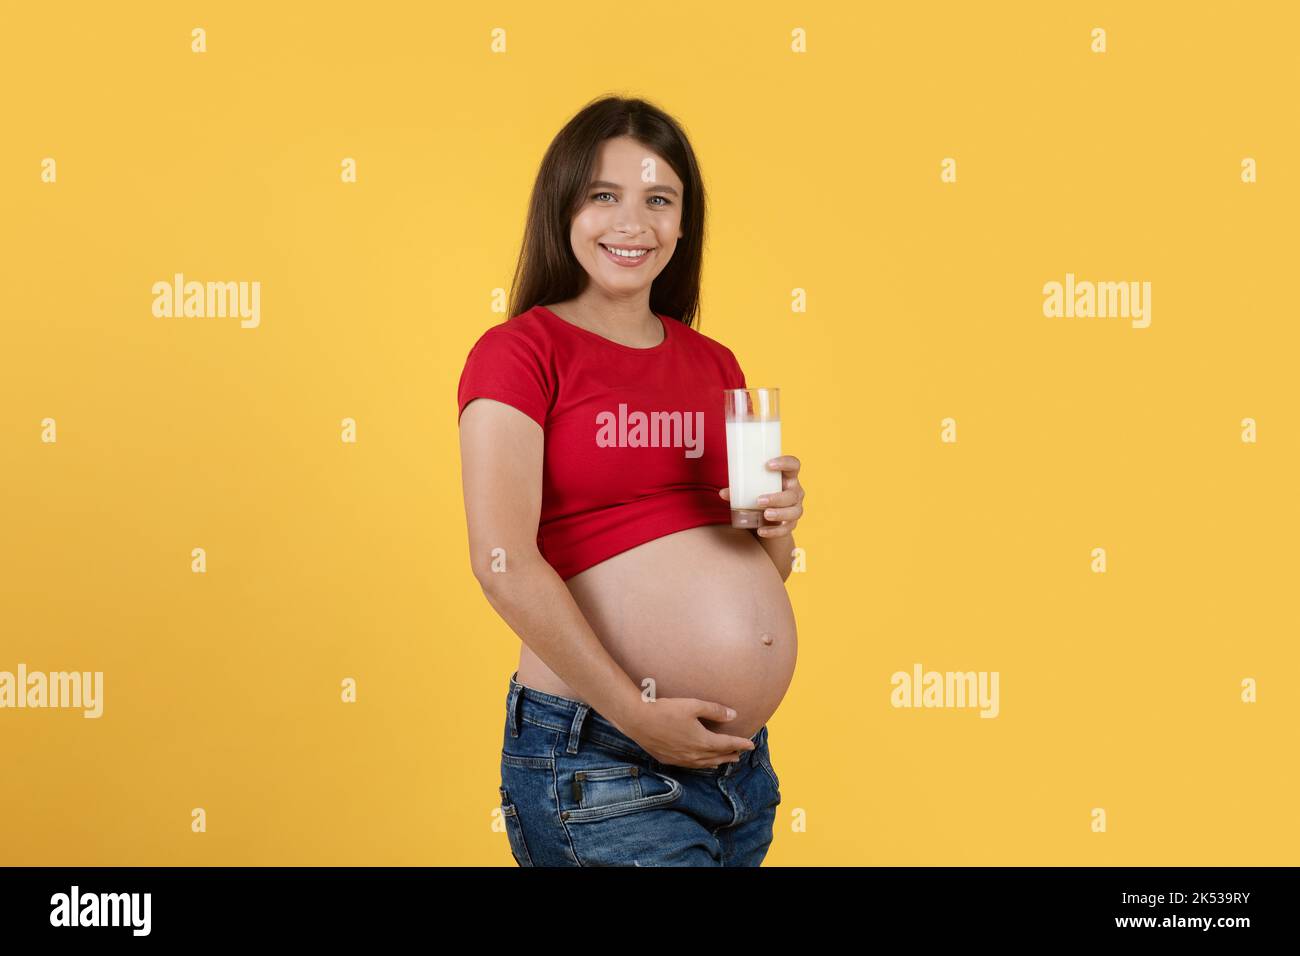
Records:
x=519, y=334
x=704, y=343
x=510, y=362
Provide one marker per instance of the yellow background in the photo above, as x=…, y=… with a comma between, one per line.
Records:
x=328, y=560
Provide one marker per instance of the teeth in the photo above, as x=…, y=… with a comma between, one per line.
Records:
x=628, y=253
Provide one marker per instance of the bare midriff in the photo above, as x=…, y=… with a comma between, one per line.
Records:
x=703, y=612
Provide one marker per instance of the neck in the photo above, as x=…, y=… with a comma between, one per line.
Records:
x=629, y=321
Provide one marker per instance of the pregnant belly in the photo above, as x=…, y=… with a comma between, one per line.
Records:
x=703, y=612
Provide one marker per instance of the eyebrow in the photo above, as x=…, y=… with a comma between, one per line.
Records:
x=606, y=184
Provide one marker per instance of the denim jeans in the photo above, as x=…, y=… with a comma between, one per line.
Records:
x=576, y=791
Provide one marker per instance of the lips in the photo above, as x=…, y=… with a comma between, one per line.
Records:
x=624, y=261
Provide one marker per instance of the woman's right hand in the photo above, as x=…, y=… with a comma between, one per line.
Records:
x=669, y=729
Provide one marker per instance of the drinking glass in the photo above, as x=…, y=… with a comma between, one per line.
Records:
x=753, y=418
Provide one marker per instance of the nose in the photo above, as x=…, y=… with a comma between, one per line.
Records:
x=630, y=222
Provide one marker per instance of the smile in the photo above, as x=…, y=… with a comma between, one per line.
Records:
x=628, y=258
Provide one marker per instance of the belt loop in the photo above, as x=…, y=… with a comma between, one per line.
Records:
x=512, y=706
x=575, y=731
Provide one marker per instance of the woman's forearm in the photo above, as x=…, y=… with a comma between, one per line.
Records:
x=533, y=600
x=780, y=549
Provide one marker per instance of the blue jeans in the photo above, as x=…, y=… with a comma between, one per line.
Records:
x=576, y=791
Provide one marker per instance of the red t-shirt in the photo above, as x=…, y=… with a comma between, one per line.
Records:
x=635, y=440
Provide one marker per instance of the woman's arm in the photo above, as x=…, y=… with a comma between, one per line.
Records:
x=780, y=549
x=781, y=509
x=501, y=476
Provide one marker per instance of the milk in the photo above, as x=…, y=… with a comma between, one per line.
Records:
x=750, y=445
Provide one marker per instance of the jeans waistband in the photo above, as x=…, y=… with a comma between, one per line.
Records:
x=579, y=720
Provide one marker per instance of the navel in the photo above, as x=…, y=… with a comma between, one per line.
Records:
x=765, y=637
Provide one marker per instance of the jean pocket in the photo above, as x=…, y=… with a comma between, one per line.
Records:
x=514, y=832
x=606, y=786
x=597, y=793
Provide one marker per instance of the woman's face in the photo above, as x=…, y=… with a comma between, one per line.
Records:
x=633, y=202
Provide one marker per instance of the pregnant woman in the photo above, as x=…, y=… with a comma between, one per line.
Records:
x=657, y=639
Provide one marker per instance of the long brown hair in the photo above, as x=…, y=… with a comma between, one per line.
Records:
x=547, y=270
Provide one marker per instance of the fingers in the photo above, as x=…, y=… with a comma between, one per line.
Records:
x=717, y=760
x=778, y=499
x=782, y=508
x=714, y=711
x=722, y=744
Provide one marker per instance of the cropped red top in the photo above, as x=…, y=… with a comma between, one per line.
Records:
x=635, y=440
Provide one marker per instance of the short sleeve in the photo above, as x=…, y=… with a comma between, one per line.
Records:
x=505, y=366
x=737, y=375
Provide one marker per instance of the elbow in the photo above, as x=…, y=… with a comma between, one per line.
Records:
x=489, y=579
x=495, y=589
x=501, y=566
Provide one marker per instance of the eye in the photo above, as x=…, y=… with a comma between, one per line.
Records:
x=666, y=201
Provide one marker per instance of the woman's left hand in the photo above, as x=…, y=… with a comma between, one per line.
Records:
x=782, y=509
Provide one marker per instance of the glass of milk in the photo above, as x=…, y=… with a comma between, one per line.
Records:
x=753, y=418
